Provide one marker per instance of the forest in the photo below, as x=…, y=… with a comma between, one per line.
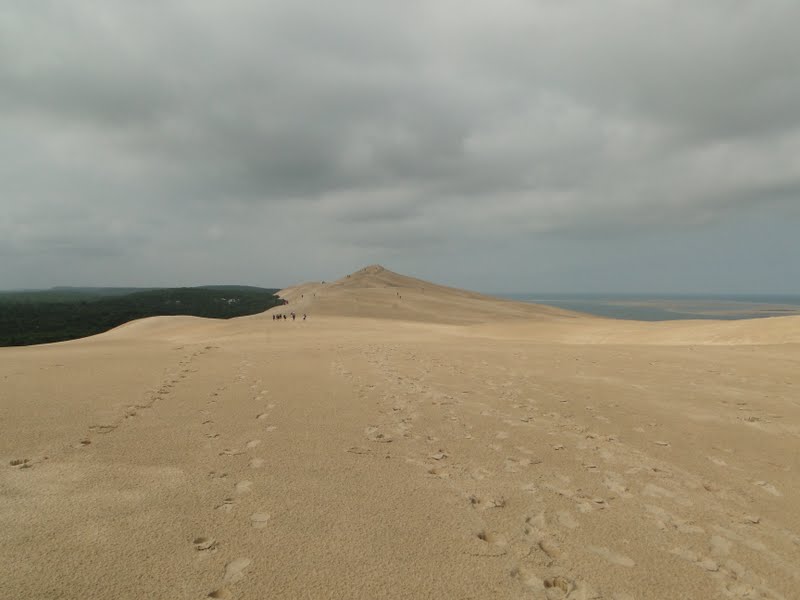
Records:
x=58, y=314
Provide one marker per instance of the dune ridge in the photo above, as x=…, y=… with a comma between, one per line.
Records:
x=376, y=292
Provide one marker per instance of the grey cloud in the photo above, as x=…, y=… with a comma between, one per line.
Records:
x=389, y=127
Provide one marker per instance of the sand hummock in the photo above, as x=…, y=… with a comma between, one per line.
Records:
x=408, y=440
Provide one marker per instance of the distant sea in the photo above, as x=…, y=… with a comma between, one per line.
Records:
x=669, y=308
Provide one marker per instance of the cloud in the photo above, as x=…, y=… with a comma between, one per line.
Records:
x=388, y=127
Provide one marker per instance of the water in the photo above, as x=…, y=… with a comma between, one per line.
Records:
x=670, y=307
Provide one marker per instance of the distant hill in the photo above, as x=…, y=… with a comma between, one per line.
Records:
x=65, y=313
x=239, y=288
x=99, y=290
x=378, y=293
x=64, y=294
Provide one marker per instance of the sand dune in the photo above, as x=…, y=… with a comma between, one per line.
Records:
x=774, y=330
x=375, y=292
x=407, y=441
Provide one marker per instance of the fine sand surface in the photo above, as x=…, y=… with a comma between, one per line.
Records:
x=406, y=441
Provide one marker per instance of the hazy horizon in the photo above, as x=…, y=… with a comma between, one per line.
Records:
x=711, y=294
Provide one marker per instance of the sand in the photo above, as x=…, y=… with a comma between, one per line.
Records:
x=406, y=441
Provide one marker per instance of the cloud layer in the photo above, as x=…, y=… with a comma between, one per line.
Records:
x=179, y=141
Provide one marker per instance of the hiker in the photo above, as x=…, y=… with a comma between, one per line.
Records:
x=293, y=315
x=304, y=316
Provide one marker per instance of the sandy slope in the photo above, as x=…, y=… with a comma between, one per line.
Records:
x=407, y=441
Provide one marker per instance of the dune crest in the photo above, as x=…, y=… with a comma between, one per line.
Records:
x=378, y=293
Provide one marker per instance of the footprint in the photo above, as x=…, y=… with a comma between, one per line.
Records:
x=375, y=435
x=226, y=506
x=493, y=539
x=256, y=463
x=229, y=452
x=262, y=416
x=665, y=520
x=613, y=557
x=686, y=554
x=768, y=487
x=527, y=578
x=234, y=570
x=551, y=548
x=102, y=428
x=614, y=482
x=438, y=472
x=243, y=487
x=558, y=587
x=535, y=525
x=587, y=505
x=497, y=502
x=513, y=465
x=709, y=564
x=259, y=520
x=223, y=593
x=252, y=443
x=22, y=463
x=751, y=519
x=203, y=544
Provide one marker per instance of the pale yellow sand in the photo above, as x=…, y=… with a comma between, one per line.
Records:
x=407, y=441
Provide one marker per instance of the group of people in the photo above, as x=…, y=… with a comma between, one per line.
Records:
x=282, y=317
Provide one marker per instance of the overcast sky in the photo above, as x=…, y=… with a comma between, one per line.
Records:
x=512, y=145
